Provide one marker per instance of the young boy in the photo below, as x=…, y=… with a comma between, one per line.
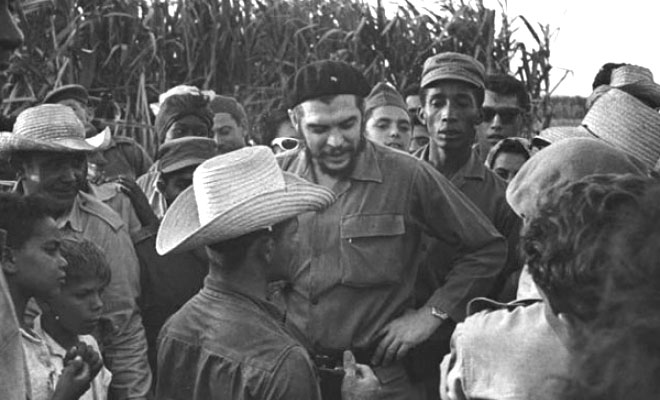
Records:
x=72, y=316
x=33, y=267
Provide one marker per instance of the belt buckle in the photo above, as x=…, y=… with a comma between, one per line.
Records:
x=324, y=361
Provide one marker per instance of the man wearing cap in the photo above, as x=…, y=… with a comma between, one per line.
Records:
x=353, y=284
x=387, y=120
x=122, y=157
x=230, y=124
x=228, y=341
x=452, y=91
x=48, y=149
x=505, y=103
x=183, y=112
x=169, y=281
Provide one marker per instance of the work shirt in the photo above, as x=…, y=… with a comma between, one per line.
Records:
x=110, y=193
x=149, y=185
x=125, y=157
x=356, y=269
x=45, y=361
x=225, y=344
x=488, y=192
x=512, y=353
x=167, y=283
x=125, y=345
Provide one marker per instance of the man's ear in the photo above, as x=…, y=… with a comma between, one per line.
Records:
x=421, y=115
x=267, y=249
x=9, y=266
x=293, y=117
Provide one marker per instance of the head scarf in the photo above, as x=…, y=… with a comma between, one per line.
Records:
x=181, y=105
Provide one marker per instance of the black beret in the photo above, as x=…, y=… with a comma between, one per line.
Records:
x=75, y=92
x=324, y=78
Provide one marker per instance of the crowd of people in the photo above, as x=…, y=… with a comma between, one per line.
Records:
x=368, y=243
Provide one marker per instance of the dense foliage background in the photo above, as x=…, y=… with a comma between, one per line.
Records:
x=131, y=50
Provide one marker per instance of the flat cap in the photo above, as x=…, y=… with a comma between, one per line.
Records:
x=181, y=153
x=453, y=66
x=324, y=78
x=384, y=94
x=75, y=92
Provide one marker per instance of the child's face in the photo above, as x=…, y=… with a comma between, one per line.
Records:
x=79, y=306
x=39, y=264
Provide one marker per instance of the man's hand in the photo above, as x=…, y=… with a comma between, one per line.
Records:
x=404, y=333
x=74, y=381
x=360, y=382
x=140, y=203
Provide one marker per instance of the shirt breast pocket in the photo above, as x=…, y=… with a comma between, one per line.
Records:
x=372, y=249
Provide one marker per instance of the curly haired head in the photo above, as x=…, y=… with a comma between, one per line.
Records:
x=583, y=230
x=617, y=356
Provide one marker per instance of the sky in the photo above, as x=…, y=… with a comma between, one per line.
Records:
x=589, y=33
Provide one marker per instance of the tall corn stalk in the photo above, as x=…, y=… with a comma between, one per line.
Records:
x=136, y=49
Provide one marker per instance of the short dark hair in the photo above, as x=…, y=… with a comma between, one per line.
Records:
x=412, y=90
x=19, y=215
x=508, y=85
x=269, y=122
x=604, y=74
x=232, y=252
x=509, y=145
x=478, y=92
x=580, y=230
x=86, y=261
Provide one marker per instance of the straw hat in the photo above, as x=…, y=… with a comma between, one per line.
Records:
x=556, y=133
x=626, y=123
x=51, y=127
x=234, y=194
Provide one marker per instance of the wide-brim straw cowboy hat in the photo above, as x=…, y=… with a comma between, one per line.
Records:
x=234, y=194
x=51, y=127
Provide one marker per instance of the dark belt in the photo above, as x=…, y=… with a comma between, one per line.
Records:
x=329, y=364
x=330, y=359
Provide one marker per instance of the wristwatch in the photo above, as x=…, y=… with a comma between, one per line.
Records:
x=436, y=312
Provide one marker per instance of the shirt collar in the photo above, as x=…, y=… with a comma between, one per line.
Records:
x=473, y=168
x=366, y=166
x=213, y=285
x=74, y=218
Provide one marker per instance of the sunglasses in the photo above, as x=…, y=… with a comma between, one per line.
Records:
x=285, y=143
x=507, y=115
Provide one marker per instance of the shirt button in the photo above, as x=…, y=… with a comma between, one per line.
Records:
x=315, y=301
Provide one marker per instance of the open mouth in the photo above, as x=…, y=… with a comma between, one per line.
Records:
x=394, y=145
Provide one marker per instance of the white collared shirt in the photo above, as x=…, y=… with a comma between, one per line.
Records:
x=45, y=360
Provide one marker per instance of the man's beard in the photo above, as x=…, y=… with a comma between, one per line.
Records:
x=348, y=169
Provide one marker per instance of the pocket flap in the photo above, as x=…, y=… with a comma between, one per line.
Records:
x=361, y=225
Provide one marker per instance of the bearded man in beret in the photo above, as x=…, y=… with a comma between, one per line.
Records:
x=352, y=286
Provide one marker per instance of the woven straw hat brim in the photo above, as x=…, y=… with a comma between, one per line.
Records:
x=180, y=229
x=627, y=124
x=556, y=133
x=11, y=142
